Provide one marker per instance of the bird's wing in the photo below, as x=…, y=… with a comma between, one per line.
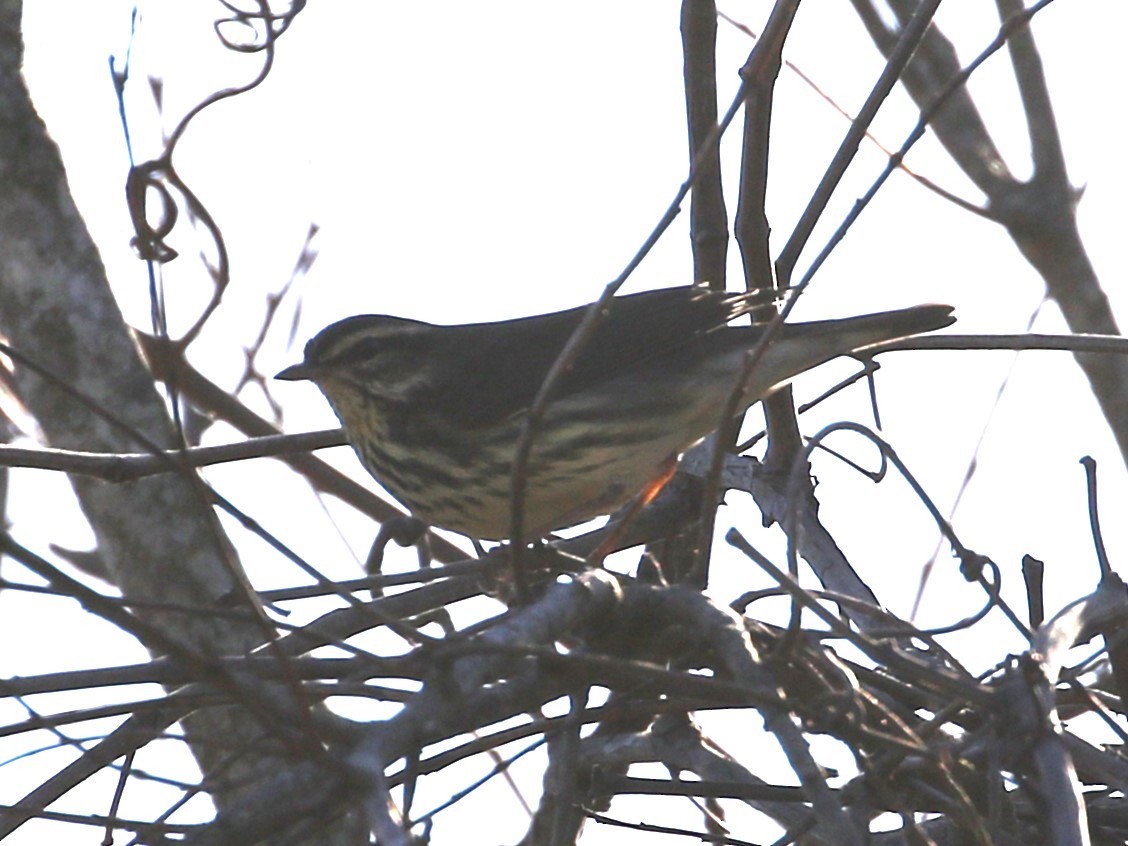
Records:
x=499, y=373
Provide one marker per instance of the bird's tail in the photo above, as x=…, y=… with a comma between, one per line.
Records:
x=855, y=333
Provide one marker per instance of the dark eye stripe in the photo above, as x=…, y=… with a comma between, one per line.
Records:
x=356, y=339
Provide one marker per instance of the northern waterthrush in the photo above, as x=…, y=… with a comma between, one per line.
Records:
x=435, y=412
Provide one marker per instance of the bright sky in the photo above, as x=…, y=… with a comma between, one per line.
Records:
x=475, y=162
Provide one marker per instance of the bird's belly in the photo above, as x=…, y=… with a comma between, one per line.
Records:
x=580, y=470
x=565, y=498
x=584, y=463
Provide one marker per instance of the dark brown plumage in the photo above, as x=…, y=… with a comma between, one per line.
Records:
x=435, y=412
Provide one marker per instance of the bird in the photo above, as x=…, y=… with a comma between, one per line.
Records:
x=435, y=412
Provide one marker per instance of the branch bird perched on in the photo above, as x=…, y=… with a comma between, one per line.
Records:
x=435, y=412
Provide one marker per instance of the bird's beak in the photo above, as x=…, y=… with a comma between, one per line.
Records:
x=298, y=372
